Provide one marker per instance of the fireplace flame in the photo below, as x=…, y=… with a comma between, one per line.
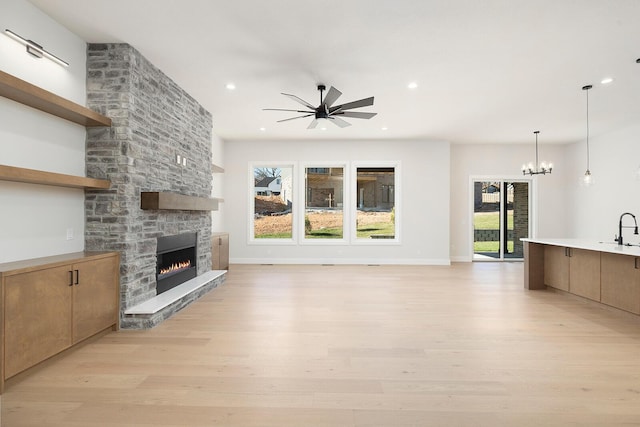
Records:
x=176, y=267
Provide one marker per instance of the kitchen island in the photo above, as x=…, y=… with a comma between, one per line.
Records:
x=604, y=272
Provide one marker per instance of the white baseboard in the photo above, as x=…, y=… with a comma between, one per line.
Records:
x=341, y=261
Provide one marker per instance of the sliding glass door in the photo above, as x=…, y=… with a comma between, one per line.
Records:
x=501, y=212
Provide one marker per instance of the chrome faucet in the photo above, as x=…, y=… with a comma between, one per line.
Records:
x=620, y=226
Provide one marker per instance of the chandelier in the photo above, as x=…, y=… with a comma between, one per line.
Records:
x=541, y=168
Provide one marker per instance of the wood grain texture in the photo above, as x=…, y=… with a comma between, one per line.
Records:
x=37, y=316
x=534, y=268
x=51, y=303
x=352, y=346
x=219, y=251
x=620, y=282
x=556, y=267
x=95, y=297
x=33, y=176
x=584, y=273
x=33, y=96
x=164, y=200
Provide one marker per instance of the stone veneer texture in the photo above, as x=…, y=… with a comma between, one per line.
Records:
x=154, y=120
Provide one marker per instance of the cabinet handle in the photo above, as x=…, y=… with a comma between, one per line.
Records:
x=635, y=263
x=219, y=241
x=70, y=277
x=77, y=277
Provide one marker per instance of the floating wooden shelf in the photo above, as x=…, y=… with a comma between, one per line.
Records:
x=175, y=201
x=25, y=93
x=32, y=176
x=217, y=169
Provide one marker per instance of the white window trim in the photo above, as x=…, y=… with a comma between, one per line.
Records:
x=533, y=203
x=251, y=240
x=346, y=197
x=397, y=165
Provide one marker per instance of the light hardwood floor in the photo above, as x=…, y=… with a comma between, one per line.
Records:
x=464, y=345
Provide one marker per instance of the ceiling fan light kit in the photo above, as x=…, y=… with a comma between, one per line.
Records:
x=326, y=110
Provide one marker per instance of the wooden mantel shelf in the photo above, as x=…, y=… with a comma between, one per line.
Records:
x=32, y=176
x=174, y=201
x=33, y=96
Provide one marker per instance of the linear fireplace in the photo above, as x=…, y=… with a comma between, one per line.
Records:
x=176, y=260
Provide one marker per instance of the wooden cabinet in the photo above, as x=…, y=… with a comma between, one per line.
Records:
x=584, y=273
x=620, y=282
x=573, y=270
x=37, y=317
x=220, y=251
x=556, y=267
x=52, y=303
x=95, y=301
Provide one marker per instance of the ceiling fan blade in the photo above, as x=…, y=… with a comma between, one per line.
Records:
x=355, y=104
x=283, y=109
x=354, y=114
x=339, y=122
x=293, y=118
x=332, y=96
x=300, y=100
x=313, y=124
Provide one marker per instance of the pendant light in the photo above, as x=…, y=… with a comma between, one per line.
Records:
x=638, y=170
x=541, y=168
x=587, y=179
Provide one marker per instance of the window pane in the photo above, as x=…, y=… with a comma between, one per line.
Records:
x=375, y=203
x=272, y=202
x=324, y=201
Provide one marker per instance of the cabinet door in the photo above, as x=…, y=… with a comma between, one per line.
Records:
x=37, y=316
x=95, y=298
x=220, y=251
x=620, y=281
x=556, y=267
x=584, y=273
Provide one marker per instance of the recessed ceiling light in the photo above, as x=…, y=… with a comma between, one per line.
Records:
x=263, y=129
x=385, y=128
x=323, y=128
x=230, y=86
x=412, y=85
x=606, y=80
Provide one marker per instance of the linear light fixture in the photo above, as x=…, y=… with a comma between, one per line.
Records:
x=34, y=49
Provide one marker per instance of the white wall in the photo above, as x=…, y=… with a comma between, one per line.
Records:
x=594, y=211
x=424, y=204
x=34, y=219
x=217, y=154
x=504, y=162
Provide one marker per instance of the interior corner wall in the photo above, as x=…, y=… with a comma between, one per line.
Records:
x=217, y=154
x=424, y=204
x=614, y=161
x=503, y=161
x=35, y=219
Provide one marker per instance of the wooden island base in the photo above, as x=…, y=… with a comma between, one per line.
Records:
x=602, y=272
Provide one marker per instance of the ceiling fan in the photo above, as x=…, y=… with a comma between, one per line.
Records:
x=326, y=109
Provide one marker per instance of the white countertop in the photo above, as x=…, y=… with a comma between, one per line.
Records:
x=591, y=245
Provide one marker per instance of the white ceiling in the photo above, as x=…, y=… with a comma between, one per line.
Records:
x=488, y=71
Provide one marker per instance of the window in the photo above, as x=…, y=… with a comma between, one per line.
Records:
x=375, y=203
x=272, y=202
x=324, y=195
x=338, y=203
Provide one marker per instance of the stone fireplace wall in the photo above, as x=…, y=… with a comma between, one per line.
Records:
x=154, y=121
